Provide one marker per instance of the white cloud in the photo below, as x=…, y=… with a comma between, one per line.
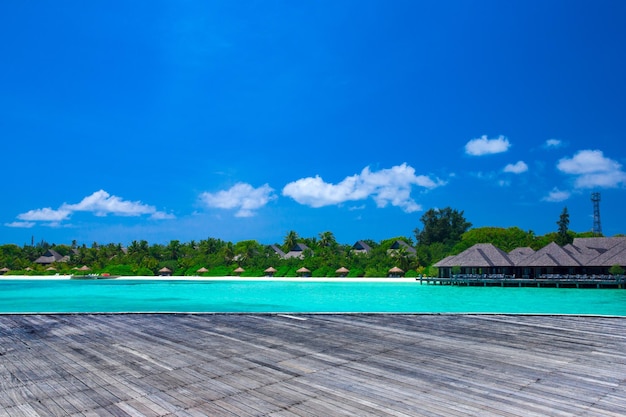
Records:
x=593, y=169
x=23, y=225
x=485, y=146
x=553, y=143
x=45, y=215
x=517, y=168
x=99, y=203
x=102, y=203
x=388, y=186
x=557, y=195
x=241, y=196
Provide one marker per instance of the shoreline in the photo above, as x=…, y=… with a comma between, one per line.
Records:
x=198, y=278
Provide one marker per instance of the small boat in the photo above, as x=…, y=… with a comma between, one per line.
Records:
x=86, y=276
x=94, y=276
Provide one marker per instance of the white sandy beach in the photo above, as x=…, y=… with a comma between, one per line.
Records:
x=224, y=278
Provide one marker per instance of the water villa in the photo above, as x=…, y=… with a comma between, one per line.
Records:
x=584, y=262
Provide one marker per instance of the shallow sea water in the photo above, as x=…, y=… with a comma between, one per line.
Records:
x=297, y=296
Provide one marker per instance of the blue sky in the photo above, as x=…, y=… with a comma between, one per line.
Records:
x=162, y=120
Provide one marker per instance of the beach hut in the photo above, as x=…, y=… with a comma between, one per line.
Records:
x=395, y=272
x=361, y=247
x=303, y=272
x=238, y=271
x=165, y=272
x=4, y=270
x=202, y=270
x=269, y=272
x=342, y=272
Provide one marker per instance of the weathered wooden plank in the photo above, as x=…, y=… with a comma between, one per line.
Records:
x=360, y=364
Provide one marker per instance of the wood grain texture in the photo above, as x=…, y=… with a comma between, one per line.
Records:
x=325, y=365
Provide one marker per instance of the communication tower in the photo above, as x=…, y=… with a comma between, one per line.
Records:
x=597, y=227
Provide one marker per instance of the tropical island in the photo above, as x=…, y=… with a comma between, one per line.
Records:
x=446, y=245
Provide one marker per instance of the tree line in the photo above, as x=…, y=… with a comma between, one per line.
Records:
x=444, y=232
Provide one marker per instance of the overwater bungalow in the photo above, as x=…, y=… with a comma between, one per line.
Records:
x=583, y=257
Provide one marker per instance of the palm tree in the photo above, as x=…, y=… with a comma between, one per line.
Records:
x=290, y=240
x=327, y=239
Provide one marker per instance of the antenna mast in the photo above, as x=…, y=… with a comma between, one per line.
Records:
x=597, y=227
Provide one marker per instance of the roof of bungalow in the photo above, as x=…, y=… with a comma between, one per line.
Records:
x=361, y=246
x=480, y=255
x=277, y=250
x=601, y=244
x=581, y=253
x=297, y=251
x=447, y=261
x=616, y=255
x=518, y=254
x=50, y=256
x=398, y=244
x=550, y=255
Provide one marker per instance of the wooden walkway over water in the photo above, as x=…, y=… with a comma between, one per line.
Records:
x=528, y=282
x=311, y=365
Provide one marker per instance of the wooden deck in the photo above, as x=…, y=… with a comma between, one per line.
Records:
x=311, y=365
x=619, y=283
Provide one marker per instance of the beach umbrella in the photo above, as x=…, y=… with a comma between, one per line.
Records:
x=270, y=271
x=303, y=272
x=395, y=271
x=343, y=271
x=239, y=270
x=84, y=268
x=165, y=271
x=4, y=270
x=202, y=270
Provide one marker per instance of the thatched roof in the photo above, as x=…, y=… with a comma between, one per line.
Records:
x=239, y=270
x=447, y=261
x=482, y=255
x=616, y=255
x=342, y=270
x=517, y=254
x=202, y=270
x=601, y=244
x=551, y=255
x=361, y=246
x=51, y=268
x=398, y=244
x=83, y=268
x=396, y=270
x=165, y=269
x=270, y=270
x=297, y=251
x=302, y=270
x=50, y=256
x=5, y=269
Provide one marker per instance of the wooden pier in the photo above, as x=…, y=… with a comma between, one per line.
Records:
x=311, y=365
x=527, y=282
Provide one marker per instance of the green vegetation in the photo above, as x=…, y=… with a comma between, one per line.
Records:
x=445, y=232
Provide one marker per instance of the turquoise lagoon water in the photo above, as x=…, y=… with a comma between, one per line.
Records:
x=252, y=296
